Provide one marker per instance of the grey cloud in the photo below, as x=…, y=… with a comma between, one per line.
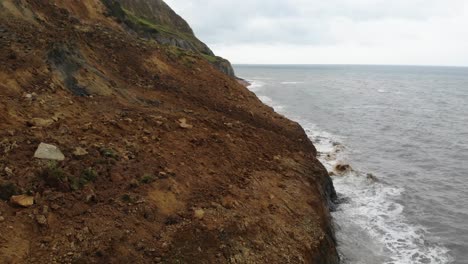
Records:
x=296, y=21
x=427, y=32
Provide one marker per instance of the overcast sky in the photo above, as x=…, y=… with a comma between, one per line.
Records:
x=415, y=32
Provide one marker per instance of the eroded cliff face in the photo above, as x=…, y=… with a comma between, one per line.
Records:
x=166, y=159
x=155, y=19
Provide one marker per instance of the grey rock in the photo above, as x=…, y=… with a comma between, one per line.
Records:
x=49, y=152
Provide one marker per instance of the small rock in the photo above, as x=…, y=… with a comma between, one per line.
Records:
x=9, y=172
x=183, y=124
x=140, y=246
x=2, y=219
x=80, y=237
x=80, y=152
x=41, y=220
x=50, y=152
x=40, y=122
x=199, y=213
x=89, y=195
x=342, y=167
x=22, y=200
x=45, y=209
x=372, y=177
x=46, y=239
x=163, y=175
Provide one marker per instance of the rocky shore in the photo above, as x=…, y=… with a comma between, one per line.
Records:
x=116, y=149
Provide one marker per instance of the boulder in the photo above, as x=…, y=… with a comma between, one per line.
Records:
x=49, y=152
x=22, y=200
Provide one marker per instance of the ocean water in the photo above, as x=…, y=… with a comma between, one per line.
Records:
x=404, y=132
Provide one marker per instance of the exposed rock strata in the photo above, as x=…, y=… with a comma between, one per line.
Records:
x=156, y=20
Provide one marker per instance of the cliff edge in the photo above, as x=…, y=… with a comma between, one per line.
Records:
x=116, y=148
x=154, y=19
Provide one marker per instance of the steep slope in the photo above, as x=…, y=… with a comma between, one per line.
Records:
x=167, y=160
x=155, y=19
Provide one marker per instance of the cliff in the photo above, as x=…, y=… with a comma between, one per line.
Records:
x=116, y=148
x=156, y=20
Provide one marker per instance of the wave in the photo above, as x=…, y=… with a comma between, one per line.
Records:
x=291, y=82
x=370, y=222
x=255, y=86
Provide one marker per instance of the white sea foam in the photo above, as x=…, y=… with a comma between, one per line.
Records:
x=371, y=218
x=371, y=225
x=256, y=86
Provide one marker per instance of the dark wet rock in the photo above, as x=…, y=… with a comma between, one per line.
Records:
x=371, y=177
x=342, y=168
x=67, y=62
x=7, y=190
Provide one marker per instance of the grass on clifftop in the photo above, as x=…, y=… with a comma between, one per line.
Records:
x=210, y=58
x=137, y=20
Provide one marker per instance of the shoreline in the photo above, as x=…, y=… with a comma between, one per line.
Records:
x=243, y=82
x=358, y=193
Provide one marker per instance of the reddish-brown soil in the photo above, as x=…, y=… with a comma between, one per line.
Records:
x=234, y=183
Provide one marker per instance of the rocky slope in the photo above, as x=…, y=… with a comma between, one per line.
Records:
x=156, y=20
x=154, y=156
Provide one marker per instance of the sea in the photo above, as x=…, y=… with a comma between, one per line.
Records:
x=400, y=134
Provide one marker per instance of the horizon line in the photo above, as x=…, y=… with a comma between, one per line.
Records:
x=345, y=64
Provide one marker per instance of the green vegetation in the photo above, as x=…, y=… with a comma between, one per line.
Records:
x=128, y=199
x=148, y=25
x=210, y=58
x=109, y=153
x=76, y=183
x=89, y=174
x=147, y=178
x=56, y=177
x=187, y=58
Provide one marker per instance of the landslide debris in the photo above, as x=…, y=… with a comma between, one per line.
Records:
x=165, y=159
